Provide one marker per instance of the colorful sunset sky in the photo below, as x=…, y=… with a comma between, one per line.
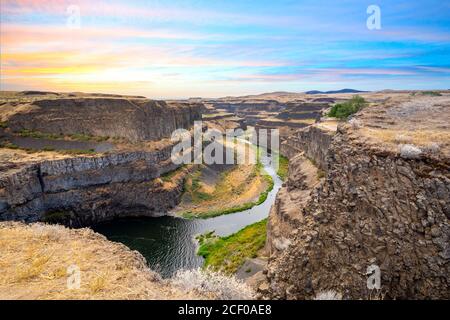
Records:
x=212, y=48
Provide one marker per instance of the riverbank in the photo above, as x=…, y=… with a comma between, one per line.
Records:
x=169, y=243
x=227, y=254
x=214, y=190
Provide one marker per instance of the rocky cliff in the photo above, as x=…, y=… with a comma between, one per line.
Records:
x=82, y=190
x=86, y=190
x=133, y=119
x=379, y=204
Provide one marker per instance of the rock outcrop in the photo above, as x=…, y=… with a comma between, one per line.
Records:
x=91, y=189
x=83, y=190
x=313, y=141
x=374, y=208
x=133, y=119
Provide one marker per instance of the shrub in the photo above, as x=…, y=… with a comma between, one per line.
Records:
x=228, y=253
x=283, y=167
x=433, y=147
x=328, y=295
x=56, y=217
x=213, y=284
x=77, y=151
x=431, y=93
x=344, y=110
x=410, y=151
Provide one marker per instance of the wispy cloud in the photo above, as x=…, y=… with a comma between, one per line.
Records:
x=215, y=48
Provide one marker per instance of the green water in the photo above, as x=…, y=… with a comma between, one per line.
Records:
x=169, y=244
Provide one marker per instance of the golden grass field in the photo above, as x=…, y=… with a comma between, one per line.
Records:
x=34, y=262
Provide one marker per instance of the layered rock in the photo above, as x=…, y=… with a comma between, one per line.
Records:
x=133, y=119
x=313, y=141
x=83, y=190
x=90, y=189
x=376, y=208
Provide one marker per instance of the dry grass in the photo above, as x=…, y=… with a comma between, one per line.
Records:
x=283, y=121
x=238, y=186
x=417, y=121
x=241, y=185
x=422, y=138
x=34, y=261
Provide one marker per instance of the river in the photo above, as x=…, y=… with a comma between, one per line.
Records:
x=169, y=244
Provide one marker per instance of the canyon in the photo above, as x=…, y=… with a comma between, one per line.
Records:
x=81, y=190
x=370, y=191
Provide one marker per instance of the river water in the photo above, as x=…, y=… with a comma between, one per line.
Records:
x=169, y=244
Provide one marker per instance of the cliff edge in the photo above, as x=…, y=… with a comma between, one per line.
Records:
x=381, y=201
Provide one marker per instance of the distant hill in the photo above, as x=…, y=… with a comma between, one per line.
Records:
x=334, y=91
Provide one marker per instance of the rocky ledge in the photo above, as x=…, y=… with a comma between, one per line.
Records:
x=381, y=203
x=133, y=119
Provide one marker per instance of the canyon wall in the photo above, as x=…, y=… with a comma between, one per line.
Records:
x=313, y=141
x=133, y=119
x=91, y=189
x=83, y=190
x=373, y=207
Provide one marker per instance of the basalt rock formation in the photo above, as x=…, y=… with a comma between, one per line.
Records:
x=80, y=190
x=87, y=190
x=378, y=204
x=133, y=119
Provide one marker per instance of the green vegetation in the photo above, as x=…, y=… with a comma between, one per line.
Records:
x=245, y=206
x=55, y=217
x=87, y=137
x=3, y=124
x=431, y=93
x=227, y=254
x=54, y=136
x=48, y=148
x=283, y=167
x=194, y=188
x=346, y=109
x=206, y=237
x=220, y=114
x=320, y=174
x=223, y=190
x=39, y=135
x=77, y=151
x=168, y=176
x=10, y=145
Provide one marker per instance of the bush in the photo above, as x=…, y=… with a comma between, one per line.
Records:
x=328, y=295
x=228, y=253
x=213, y=284
x=431, y=93
x=410, y=151
x=344, y=110
x=283, y=167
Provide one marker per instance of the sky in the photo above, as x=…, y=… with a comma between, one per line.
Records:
x=214, y=48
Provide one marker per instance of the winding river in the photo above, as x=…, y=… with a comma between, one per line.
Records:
x=169, y=244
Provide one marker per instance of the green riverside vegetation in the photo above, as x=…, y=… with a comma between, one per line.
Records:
x=346, y=109
x=283, y=167
x=227, y=254
x=199, y=196
x=245, y=206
